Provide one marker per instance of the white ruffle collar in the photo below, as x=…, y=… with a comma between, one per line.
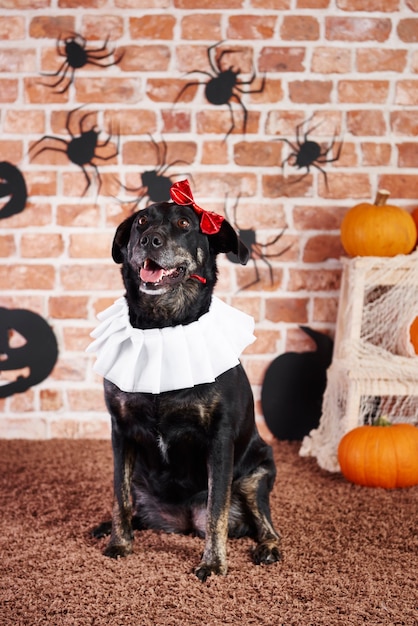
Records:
x=166, y=359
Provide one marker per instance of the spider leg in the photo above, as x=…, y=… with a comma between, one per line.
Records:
x=63, y=65
x=214, y=66
x=161, y=157
x=320, y=159
x=251, y=80
x=318, y=167
x=231, y=128
x=263, y=257
x=88, y=180
x=257, y=274
x=83, y=118
x=193, y=84
x=47, y=147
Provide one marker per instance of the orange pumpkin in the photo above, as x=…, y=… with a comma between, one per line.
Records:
x=380, y=455
x=413, y=334
x=378, y=229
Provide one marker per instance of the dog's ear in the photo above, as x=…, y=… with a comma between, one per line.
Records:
x=121, y=238
x=227, y=240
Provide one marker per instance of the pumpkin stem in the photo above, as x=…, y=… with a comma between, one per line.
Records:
x=381, y=197
x=381, y=421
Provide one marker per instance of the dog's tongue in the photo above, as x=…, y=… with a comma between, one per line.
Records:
x=151, y=274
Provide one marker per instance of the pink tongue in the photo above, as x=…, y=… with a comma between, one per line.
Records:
x=151, y=276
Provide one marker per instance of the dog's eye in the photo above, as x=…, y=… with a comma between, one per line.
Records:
x=183, y=223
x=142, y=220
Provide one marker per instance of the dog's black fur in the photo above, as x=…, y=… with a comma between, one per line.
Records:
x=188, y=461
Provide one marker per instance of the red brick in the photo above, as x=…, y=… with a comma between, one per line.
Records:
x=366, y=122
x=151, y=26
x=363, y=91
x=406, y=92
x=85, y=399
x=90, y=277
x=51, y=26
x=23, y=427
x=404, y=123
x=23, y=402
x=68, y=307
x=412, y=4
x=108, y=90
x=81, y=428
x=357, y=28
x=161, y=90
x=291, y=310
x=218, y=120
x=7, y=245
x=375, y=154
x=380, y=60
x=91, y=245
x=37, y=93
x=320, y=248
x=317, y=217
x=400, y=185
x=251, y=26
x=310, y=91
x=13, y=149
x=368, y=5
x=78, y=4
x=8, y=89
x=214, y=152
x=149, y=58
x=312, y=4
x=279, y=5
x=407, y=30
x=76, y=338
x=299, y=28
x=50, y=399
x=176, y=121
x=257, y=153
x=20, y=276
x=78, y=215
x=41, y=183
x=208, y=4
x=314, y=280
x=330, y=60
x=219, y=185
x=19, y=121
x=247, y=278
x=325, y=310
x=70, y=369
x=291, y=185
x=12, y=26
x=17, y=60
x=33, y=215
x=47, y=245
x=255, y=369
x=343, y=185
x=201, y=26
x=129, y=121
x=407, y=154
x=98, y=26
x=281, y=59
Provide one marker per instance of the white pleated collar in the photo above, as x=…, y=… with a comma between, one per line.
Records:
x=166, y=359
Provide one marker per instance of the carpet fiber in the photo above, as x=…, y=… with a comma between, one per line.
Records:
x=350, y=553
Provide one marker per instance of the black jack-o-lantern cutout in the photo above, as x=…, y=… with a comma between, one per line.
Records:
x=12, y=190
x=28, y=350
x=293, y=389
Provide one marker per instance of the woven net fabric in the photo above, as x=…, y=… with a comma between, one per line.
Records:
x=374, y=370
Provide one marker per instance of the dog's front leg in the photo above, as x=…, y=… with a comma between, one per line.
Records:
x=121, y=538
x=220, y=467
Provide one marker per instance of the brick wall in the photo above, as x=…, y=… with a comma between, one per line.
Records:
x=351, y=64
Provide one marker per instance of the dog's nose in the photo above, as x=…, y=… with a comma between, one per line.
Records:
x=153, y=240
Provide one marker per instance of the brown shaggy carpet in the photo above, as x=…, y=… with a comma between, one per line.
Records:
x=350, y=553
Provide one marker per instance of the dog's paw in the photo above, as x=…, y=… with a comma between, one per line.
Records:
x=102, y=530
x=266, y=553
x=204, y=570
x=117, y=551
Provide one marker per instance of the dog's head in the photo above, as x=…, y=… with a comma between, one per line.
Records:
x=169, y=264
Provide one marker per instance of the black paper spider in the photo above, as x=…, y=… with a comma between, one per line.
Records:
x=257, y=250
x=77, y=55
x=80, y=149
x=223, y=86
x=307, y=153
x=156, y=183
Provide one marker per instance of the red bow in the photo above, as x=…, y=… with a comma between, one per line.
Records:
x=210, y=223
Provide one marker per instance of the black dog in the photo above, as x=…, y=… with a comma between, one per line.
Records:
x=187, y=460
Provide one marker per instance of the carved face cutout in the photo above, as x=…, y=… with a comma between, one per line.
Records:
x=28, y=350
x=13, y=192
